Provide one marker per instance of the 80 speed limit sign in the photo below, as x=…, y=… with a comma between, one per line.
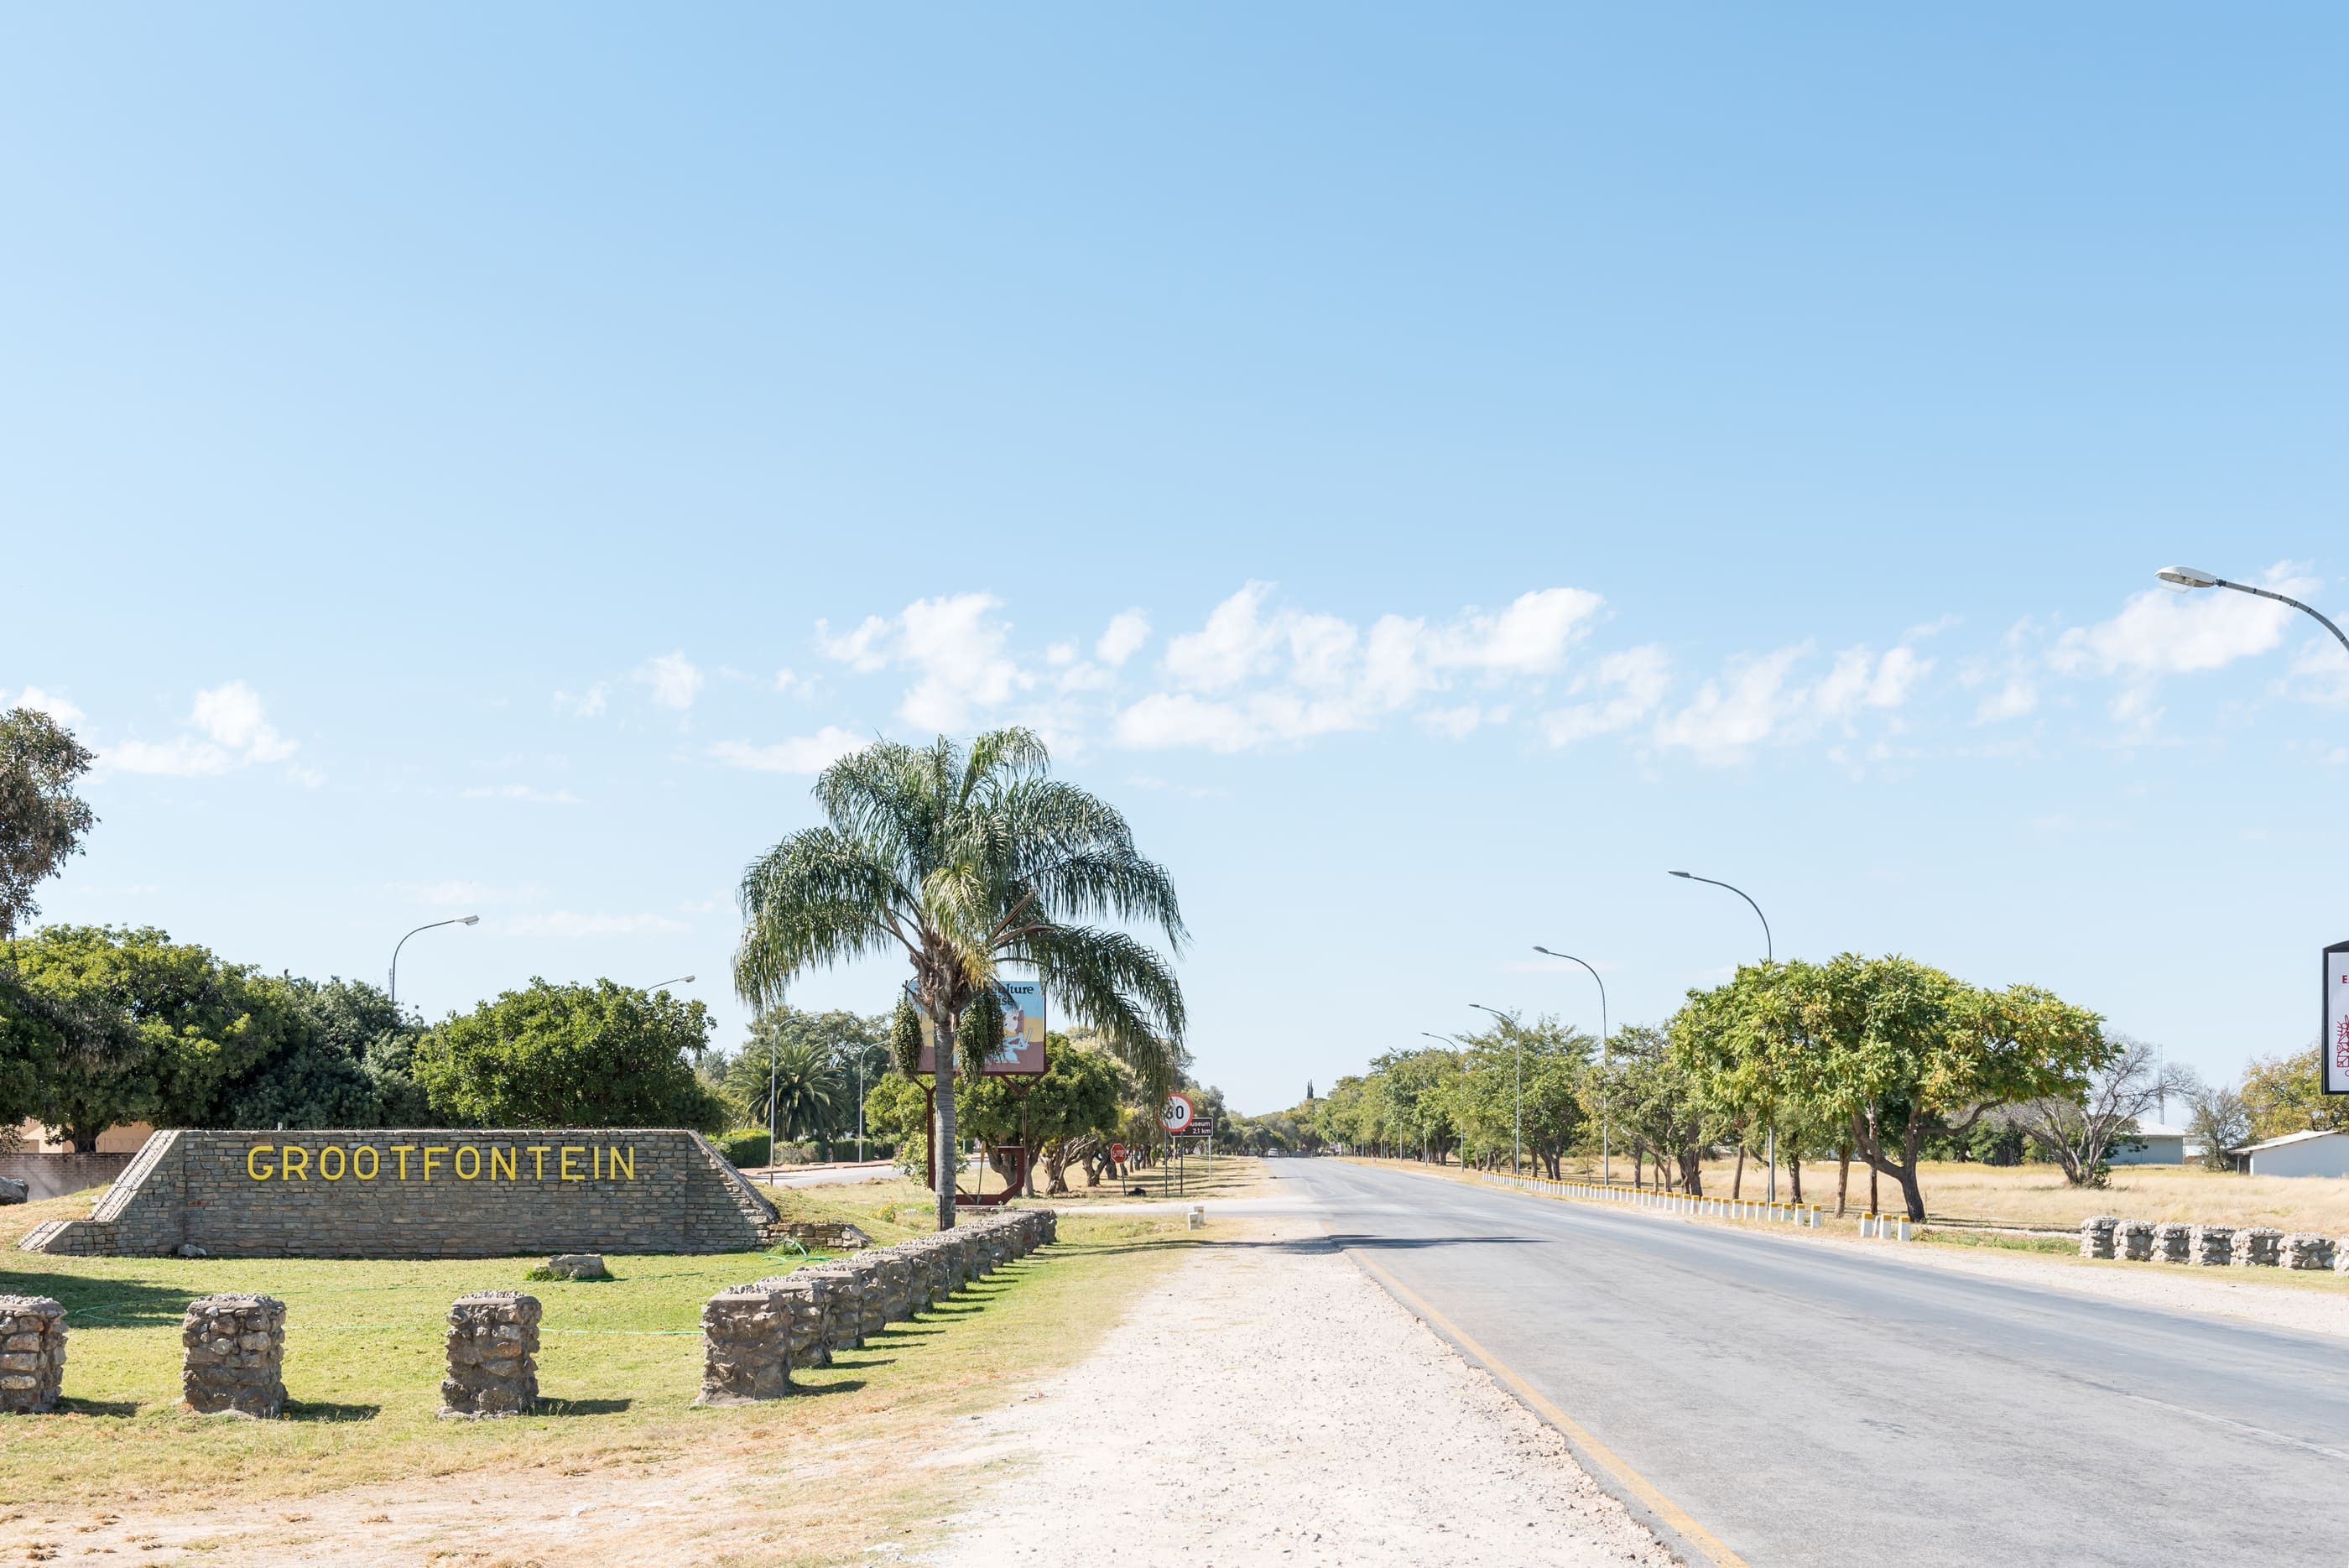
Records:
x=1177, y=1113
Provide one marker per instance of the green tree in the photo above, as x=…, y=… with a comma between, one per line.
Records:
x=965, y=860
x=1896, y=1049
x=2283, y=1095
x=334, y=1067
x=1552, y=1058
x=136, y=1027
x=570, y=1055
x=1070, y=1113
x=42, y=821
x=1657, y=1105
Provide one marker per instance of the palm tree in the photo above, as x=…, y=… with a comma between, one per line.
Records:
x=966, y=860
x=803, y=1080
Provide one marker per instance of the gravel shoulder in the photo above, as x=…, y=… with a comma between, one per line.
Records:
x=1267, y=1403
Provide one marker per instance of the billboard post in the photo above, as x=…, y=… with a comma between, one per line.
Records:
x=2333, y=1054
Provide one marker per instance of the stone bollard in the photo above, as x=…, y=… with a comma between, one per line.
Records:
x=2255, y=1247
x=2133, y=1239
x=2097, y=1236
x=2210, y=1246
x=32, y=1354
x=803, y=1300
x=893, y=1274
x=2305, y=1250
x=746, y=1344
x=233, y=1356
x=2172, y=1241
x=493, y=1355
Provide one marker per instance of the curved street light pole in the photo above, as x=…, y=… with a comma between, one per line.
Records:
x=1455, y=1044
x=1517, y=1137
x=2187, y=577
x=435, y=925
x=1605, y=1122
x=1769, y=952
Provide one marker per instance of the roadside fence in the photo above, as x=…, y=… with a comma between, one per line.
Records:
x=1807, y=1216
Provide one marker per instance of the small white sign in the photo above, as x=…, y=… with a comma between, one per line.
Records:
x=2335, y=1049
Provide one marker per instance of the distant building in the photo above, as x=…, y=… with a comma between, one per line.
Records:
x=2152, y=1143
x=2296, y=1154
x=32, y=1138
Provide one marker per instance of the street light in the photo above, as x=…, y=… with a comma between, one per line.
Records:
x=460, y=921
x=2188, y=579
x=679, y=980
x=1606, y=1121
x=1517, y=1135
x=1770, y=953
x=1448, y=1040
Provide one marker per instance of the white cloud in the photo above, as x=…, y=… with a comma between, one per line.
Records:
x=2160, y=632
x=49, y=702
x=1256, y=673
x=674, y=679
x=522, y=792
x=1638, y=677
x=2320, y=671
x=1755, y=703
x=588, y=704
x=563, y=923
x=2013, y=701
x=237, y=733
x=1128, y=631
x=800, y=755
x=955, y=647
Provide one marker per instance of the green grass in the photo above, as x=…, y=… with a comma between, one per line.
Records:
x=619, y=1363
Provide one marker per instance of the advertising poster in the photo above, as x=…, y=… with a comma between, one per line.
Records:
x=1021, y=1050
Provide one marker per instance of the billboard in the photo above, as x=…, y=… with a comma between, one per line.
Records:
x=2334, y=1051
x=1021, y=1051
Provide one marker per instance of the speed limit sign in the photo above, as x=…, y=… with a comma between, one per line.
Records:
x=1177, y=1113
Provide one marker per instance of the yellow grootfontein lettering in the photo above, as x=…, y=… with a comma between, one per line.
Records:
x=342, y=1162
x=293, y=1162
x=374, y=1162
x=254, y=1171
x=428, y=1153
x=463, y=1174
x=403, y=1150
x=538, y=1160
x=568, y=1150
x=617, y=1162
x=502, y=1163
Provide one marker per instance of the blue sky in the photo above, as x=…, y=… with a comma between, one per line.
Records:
x=1437, y=469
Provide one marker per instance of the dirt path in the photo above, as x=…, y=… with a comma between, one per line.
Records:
x=1268, y=1403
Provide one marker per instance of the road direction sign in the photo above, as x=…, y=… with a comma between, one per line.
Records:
x=2335, y=1055
x=1177, y=1113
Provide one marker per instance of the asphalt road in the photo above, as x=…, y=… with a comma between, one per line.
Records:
x=1807, y=1405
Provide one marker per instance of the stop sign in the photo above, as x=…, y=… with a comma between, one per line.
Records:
x=1117, y=1152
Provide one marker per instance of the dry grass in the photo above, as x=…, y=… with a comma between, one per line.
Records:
x=2036, y=1197
x=363, y=1458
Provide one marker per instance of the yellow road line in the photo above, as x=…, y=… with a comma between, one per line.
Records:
x=1664, y=1507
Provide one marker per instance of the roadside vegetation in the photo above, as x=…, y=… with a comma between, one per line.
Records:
x=1888, y=1085
x=620, y=1366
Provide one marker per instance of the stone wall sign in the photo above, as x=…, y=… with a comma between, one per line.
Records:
x=428, y=1192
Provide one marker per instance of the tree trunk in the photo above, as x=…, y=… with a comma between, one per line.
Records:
x=948, y=1148
x=1909, y=1187
x=1843, y=1177
x=1738, y=1180
x=83, y=1139
x=1795, y=1174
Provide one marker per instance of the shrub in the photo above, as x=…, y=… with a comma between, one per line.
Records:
x=744, y=1146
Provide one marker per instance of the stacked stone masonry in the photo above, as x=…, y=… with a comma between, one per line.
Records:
x=493, y=1355
x=2133, y=1239
x=2255, y=1247
x=2097, y=1236
x=32, y=1354
x=2171, y=1241
x=753, y=1335
x=233, y=1355
x=419, y=1193
x=2305, y=1250
x=2210, y=1246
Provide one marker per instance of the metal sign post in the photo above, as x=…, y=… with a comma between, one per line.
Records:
x=2333, y=1054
